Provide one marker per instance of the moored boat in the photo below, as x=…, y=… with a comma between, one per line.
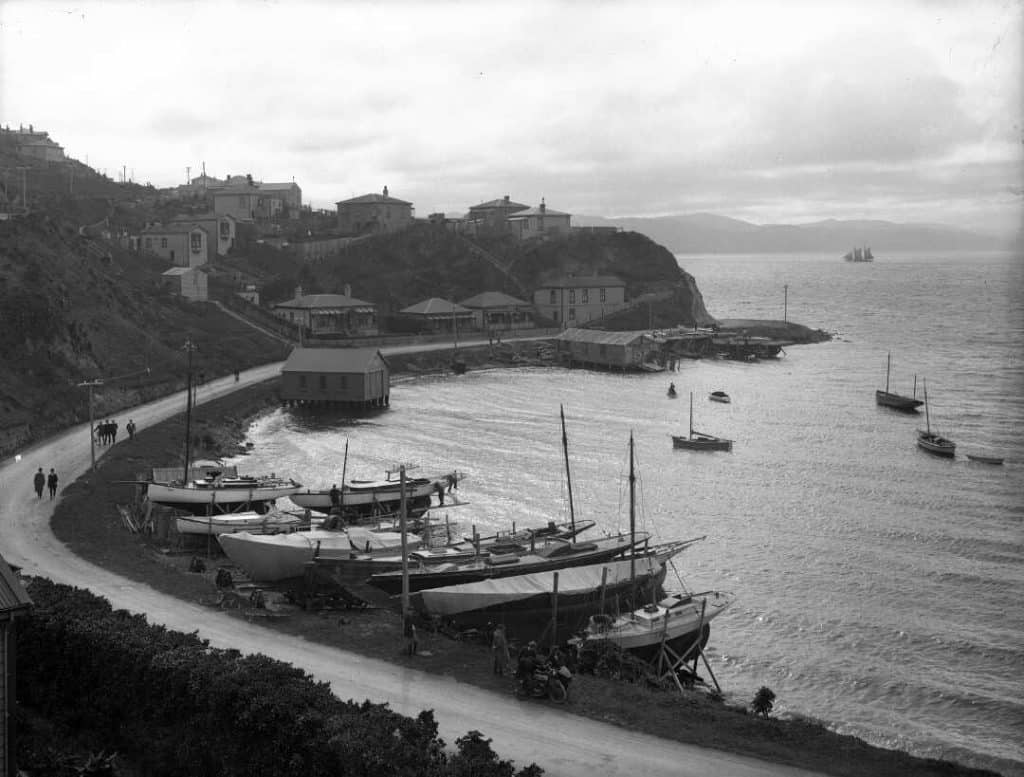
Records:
x=719, y=396
x=896, y=401
x=930, y=441
x=699, y=441
x=983, y=459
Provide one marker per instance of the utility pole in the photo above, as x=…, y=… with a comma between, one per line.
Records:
x=189, y=347
x=785, y=302
x=188, y=175
x=92, y=433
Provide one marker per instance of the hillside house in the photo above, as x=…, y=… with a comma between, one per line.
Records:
x=607, y=350
x=330, y=376
x=330, y=314
x=34, y=144
x=498, y=312
x=374, y=214
x=288, y=193
x=491, y=217
x=440, y=315
x=188, y=282
x=220, y=232
x=572, y=300
x=539, y=222
x=185, y=244
x=14, y=605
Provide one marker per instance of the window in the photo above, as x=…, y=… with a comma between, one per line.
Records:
x=572, y=314
x=572, y=296
x=602, y=295
x=241, y=202
x=197, y=242
x=342, y=382
x=603, y=350
x=585, y=296
x=163, y=242
x=554, y=297
x=225, y=229
x=323, y=382
x=149, y=242
x=302, y=382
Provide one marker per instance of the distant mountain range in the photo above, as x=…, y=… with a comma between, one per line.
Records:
x=708, y=233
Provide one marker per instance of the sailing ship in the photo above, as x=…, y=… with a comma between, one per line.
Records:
x=699, y=441
x=859, y=255
x=931, y=441
x=896, y=401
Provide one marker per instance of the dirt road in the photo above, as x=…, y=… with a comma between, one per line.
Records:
x=525, y=731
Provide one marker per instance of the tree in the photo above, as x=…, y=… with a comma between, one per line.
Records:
x=763, y=701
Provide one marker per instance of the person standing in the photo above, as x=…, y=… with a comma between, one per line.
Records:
x=113, y=431
x=39, y=481
x=499, y=649
x=130, y=429
x=51, y=482
x=335, y=496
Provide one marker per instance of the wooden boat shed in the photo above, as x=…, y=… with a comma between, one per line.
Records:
x=350, y=377
x=608, y=350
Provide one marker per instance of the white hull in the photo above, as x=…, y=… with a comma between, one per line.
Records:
x=258, y=523
x=201, y=495
x=365, y=494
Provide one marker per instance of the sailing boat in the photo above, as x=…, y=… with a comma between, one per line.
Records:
x=679, y=621
x=698, y=441
x=216, y=493
x=859, y=255
x=896, y=401
x=931, y=441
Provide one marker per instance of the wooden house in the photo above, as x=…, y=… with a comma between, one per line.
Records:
x=499, y=312
x=14, y=604
x=353, y=377
x=439, y=315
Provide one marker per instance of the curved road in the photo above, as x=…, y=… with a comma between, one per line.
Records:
x=524, y=731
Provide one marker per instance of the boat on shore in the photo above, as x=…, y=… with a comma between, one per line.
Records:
x=216, y=494
x=374, y=497
x=896, y=401
x=699, y=441
x=720, y=396
x=933, y=442
x=272, y=521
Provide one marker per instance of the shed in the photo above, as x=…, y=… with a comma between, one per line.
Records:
x=336, y=376
x=188, y=282
x=14, y=603
x=614, y=350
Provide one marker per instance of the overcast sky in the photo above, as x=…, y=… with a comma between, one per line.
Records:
x=765, y=110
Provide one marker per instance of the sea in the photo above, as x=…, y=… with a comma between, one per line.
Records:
x=879, y=589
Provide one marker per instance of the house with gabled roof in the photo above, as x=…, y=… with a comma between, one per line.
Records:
x=15, y=604
x=491, y=217
x=340, y=315
x=539, y=222
x=573, y=300
x=184, y=243
x=331, y=376
x=440, y=315
x=497, y=311
x=221, y=230
x=374, y=214
x=609, y=350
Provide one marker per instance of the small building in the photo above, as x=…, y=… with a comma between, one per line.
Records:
x=333, y=376
x=184, y=244
x=15, y=603
x=330, y=314
x=608, y=350
x=572, y=300
x=440, y=315
x=374, y=214
x=220, y=232
x=496, y=311
x=188, y=282
x=539, y=222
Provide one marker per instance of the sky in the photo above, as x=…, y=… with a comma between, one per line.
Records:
x=771, y=111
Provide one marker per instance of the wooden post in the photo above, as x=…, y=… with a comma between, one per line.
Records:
x=554, y=611
x=604, y=587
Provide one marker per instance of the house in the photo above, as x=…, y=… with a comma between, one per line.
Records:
x=289, y=194
x=609, y=350
x=440, y=315
x=493, y=310
x=188, y=282
x=491, y=217
x=245, y=203
x=539, y=222
x=184, y=244
x=374, y=214
x=220, y=231
x=14, y=604
x=350, y=376
x=37, y=145
x=330, y=314
x=571, y=300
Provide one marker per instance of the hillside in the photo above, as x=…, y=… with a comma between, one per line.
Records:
x=708, y=233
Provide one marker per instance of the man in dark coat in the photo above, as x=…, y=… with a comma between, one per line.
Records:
x=51, y=482
x=39, y=481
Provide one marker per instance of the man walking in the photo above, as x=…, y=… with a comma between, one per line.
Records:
x=39, y=481
x=51, y=482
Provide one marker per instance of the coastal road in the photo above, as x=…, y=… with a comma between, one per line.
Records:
x=563, y=744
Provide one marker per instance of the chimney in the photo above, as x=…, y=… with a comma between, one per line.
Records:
x=385, y=191
x=298, y=292
x=506, y=198
x=348, y=287
x=542, y=205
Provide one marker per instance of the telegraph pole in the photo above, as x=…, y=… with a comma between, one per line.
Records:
x=92, y=429
x=785, y=302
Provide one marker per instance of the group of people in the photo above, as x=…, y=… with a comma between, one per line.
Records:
x=106, y=431
x=42, y=480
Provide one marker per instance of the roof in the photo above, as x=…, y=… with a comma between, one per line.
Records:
x=323, y=301
x=493, y=299
x=278, y=187
x=537, y=212
x=179, y=270
x=13, y=595
x=582, y=282
x=500, y=203
x=435, y=306
x=175, y=228
x=236, y=191
x=373, y=198
x=331, y=359
x=201, y=217
x=601, y=337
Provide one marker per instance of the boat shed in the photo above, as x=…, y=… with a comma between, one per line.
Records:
x=608, y=350
x=350, y=377
x=14, y=604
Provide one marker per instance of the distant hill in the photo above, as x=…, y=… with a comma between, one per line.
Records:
x=708, y=233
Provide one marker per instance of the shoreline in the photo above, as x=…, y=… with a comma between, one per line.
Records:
x=794, y=742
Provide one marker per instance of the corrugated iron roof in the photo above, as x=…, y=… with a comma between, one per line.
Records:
x=331, y=359
x=435, y=306
x=493, y=299
x=13, y=595
x=379, y=198
x=324, y=302
x=601, y=337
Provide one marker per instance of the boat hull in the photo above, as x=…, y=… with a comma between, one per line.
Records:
x=985, y=459
x=936, y=445
x=251, y=521
x=199, y=499
x=897, y=401
x=701, y=443
x=373, y=496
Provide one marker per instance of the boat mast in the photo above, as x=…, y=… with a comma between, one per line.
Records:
x=691, y=415
x=888, y=364
x=927, y=419
x=632, y=526
x=344, y=467
x=568, y=477
x=189, y=348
